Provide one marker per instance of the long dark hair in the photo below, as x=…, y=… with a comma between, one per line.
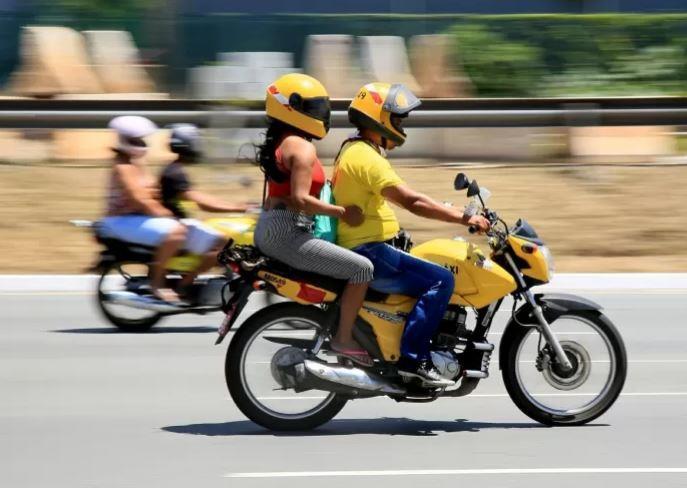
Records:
x=265, y=153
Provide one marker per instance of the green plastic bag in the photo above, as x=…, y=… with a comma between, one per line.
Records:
x=325, y=226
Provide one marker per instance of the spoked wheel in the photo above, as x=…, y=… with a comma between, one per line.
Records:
x=545, y=391
x=252, y=369
x=126, y=277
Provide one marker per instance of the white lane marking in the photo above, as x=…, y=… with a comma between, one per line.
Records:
x=555, y=333
x=505, y=395
x=440, y=472
x=293, y=398
x=45, y=293
x=642, y=361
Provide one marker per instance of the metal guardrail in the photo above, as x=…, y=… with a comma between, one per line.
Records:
x=552, y=112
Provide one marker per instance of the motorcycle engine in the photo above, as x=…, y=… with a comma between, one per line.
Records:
x=446, y=363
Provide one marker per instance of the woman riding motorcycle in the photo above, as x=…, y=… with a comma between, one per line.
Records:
x=176, y=189
x=134, y=213
x=364, y=177
x=298, y=111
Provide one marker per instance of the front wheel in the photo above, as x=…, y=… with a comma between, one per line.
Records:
x=120, y=277
x=549, y=394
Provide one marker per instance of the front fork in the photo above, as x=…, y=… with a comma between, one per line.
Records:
x=544, y=328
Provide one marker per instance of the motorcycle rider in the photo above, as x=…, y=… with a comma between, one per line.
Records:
x=134, y=213
x=176, y=190
x=298, y=111
x=364, y=177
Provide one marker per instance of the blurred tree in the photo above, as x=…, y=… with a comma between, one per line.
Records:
x=497, y=66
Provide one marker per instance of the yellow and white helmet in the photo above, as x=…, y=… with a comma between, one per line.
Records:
x=300, y=101
x=380, y=107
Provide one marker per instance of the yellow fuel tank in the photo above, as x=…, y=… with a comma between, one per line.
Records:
x=479, y=280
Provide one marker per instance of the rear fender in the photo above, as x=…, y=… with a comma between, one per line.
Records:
x=553, y=306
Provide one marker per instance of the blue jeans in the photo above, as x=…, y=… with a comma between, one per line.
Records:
x=399, y=272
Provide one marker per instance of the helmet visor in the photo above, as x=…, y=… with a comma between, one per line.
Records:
x=317, y=107
x=400, y=100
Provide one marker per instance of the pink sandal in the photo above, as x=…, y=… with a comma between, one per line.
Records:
x=358, y=356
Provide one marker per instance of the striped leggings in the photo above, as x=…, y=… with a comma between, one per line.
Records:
x=285, y=235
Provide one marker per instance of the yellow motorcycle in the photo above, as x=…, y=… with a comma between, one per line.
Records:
x=123, y=291
x=562, y=360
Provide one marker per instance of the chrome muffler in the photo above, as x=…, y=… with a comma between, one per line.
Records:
x=354, y=378
x=133, y=300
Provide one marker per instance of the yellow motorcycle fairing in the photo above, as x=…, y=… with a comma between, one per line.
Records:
x=239, y=228
x=388, y=319
x=533, y=256
x=478, y=280
x=298, y=291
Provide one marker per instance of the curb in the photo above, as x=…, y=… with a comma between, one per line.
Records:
x=561, y=282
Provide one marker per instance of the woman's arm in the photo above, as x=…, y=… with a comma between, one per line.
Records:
x=130, y=177
x=425, y=206
x=300, y=156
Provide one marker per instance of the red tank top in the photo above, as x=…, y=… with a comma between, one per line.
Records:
x=283, y=189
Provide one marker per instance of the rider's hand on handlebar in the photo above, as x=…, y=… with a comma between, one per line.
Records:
x=479, y=223
x=353, y=216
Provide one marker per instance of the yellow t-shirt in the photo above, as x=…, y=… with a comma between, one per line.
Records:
x=360, y=175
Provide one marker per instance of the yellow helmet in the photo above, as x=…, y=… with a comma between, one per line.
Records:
x=300, y=101
x=380, y=106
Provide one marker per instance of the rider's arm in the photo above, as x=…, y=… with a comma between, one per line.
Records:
x=425, y=206
x=301, y=155
x=211, y=204
x=130, y=177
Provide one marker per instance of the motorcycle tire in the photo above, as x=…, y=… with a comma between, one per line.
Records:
x=512, y=340
x=236, y=382
x=124, y=324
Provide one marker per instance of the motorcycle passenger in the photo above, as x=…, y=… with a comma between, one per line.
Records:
x=134, y=213
x=298, y=111
x=364, y=177
x=176, y=190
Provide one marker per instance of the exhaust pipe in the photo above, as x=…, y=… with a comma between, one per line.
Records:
x=355, y=378
x=133, y=300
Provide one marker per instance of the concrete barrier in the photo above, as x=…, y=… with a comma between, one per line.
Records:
x=54, y=61
x=240, y=75
x=330, y=59
x=434, y=62
x=116, y=61
x=622, y=141
x=385, y=58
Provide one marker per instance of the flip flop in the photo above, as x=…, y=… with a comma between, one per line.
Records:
x=166, y=295
x=358, y=356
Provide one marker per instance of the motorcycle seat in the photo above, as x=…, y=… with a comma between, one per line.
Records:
x=322, y=281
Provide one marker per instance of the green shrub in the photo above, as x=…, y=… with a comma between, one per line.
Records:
x=495, y=65
x=571, y=55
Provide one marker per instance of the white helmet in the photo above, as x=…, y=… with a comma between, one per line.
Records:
x=132, y=129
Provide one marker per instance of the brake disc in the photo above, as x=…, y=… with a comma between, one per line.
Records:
x=562, y=379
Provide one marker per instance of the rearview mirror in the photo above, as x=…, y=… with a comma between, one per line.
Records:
x=461, y=182
x=473, y=188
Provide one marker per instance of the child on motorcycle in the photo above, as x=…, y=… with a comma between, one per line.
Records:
x=364, y=177
x=134, y=213
x=176, y=188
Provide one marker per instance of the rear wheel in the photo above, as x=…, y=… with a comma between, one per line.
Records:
x=250, y=369
x=125, y=277
x=546, y=392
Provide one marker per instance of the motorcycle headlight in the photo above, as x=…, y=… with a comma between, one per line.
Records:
x=546, y=252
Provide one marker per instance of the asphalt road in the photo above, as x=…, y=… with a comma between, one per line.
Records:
x=85, y=406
